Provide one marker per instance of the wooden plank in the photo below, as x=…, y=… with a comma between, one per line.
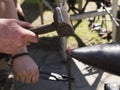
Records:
x=89, y=14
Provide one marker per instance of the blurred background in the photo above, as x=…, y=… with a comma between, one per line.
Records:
x=84, y=33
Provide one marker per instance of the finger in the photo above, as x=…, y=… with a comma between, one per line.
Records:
x=32, y=37
x=35, y=77
x=20, y=12
x=29, y=35
x=17, y=78
x=25, y=24
x=22, y=79
x=28, y=79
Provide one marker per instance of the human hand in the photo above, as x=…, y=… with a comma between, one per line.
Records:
x=13, y=36
x=25, y=70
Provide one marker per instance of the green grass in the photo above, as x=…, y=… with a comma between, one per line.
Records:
x=86, y=35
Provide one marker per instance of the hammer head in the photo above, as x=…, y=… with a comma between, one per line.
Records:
x=62, y=22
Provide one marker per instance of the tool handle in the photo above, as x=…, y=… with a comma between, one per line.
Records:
x=43, y=29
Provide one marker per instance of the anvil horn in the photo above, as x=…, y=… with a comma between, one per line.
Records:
x=103, y=56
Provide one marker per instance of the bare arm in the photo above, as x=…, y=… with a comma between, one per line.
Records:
x=27, y=73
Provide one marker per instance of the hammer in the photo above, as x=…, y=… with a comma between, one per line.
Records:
x=62, y=24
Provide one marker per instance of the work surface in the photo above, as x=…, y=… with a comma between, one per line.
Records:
x=47, y=56
x=49, y=60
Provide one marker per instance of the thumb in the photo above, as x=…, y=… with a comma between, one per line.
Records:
x=32, y=37
x=29, y=35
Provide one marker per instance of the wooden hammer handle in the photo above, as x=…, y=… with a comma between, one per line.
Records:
x=43, y=29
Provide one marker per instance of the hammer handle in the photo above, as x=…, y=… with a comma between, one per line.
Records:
x=43, y=29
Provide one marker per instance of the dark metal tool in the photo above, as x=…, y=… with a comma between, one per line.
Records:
x=62, y=24
x=104, y=56
x=54, y=76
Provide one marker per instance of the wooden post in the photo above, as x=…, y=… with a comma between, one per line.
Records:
x=80, y=4
x=63, y=40
x=116, y=31
x=40, y=3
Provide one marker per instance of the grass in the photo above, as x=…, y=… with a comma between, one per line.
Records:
x=86, y=35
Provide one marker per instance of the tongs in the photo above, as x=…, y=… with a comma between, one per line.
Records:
x=54, y=76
